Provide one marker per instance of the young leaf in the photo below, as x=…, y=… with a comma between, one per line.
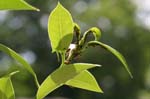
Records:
x=77, y=32
x=60, y=29
x=85, y=80
x=60, y=77
x=96, y=33
x=6, y=87
x=18, y=58
x=113, y=51
x=15, y=5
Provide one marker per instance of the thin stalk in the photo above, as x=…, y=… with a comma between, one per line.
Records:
x=62, y=59
x=36, y=81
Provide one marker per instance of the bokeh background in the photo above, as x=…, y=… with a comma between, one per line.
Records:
x=125, y=25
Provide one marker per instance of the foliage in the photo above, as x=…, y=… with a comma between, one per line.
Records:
x=61, y=29
x=19, y=58
x=6, y=87
x=67, y=74
x=16, y=5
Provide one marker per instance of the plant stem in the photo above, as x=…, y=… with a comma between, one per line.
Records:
x=62, y=59
x=36, y=81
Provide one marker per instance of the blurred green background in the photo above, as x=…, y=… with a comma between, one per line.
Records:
x=125, y=25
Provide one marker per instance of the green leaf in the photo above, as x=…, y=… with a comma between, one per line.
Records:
x=6, y=87
x=113, y=51
x=60, y=29
x=60, y=77
x=18, y=58
x=15, y=5
x=85, y=80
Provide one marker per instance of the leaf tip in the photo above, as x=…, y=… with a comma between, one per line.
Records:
x=59, y=4
x=98, y=65
x=131, y=75
x=102, y=92
x=38, y=10
x=99, y=90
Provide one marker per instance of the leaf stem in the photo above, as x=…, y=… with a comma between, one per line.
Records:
x=62, y=59
x=36, y=81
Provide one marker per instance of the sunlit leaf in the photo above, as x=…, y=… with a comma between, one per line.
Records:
x=60, y=28
x=85, y=80
x=18, y=58
x=15, y=5
x=6, y=87
x=60, y=77
x=114, y=52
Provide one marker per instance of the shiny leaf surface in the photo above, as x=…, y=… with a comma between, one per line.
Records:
x=15, y=5
x=85, y=80
x=60, y=29
x=61, y=76
x=6, y=87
